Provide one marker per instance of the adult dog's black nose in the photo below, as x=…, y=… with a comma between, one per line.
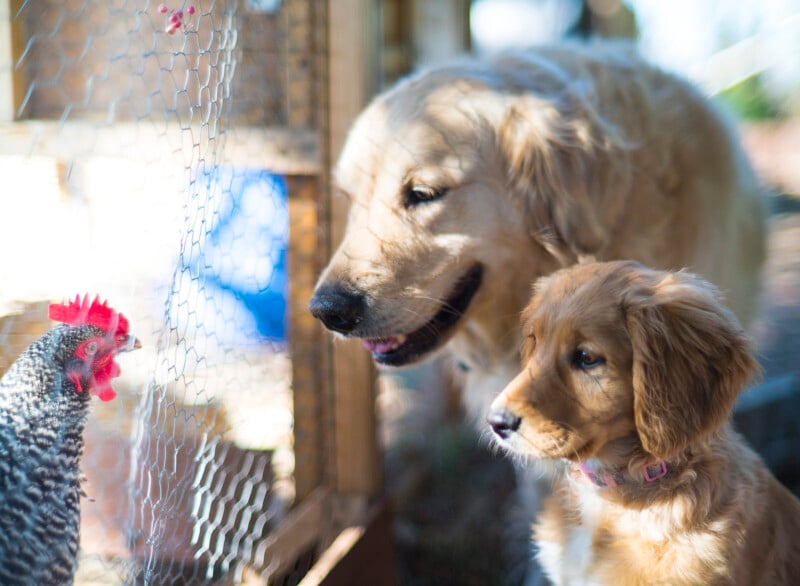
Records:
x=339, y=309
x=503, y=422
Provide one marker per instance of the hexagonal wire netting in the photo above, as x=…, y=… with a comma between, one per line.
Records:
x=143, y=166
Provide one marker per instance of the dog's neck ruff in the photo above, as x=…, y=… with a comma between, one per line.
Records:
x=613, y=477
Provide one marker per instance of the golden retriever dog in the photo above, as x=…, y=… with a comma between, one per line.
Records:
x=628, y=378
x=470, y=180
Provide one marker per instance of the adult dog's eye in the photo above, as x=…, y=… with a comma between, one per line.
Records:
x=419, y=194
x=586, y=360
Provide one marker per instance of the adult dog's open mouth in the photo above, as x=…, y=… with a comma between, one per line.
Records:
x=407, y=348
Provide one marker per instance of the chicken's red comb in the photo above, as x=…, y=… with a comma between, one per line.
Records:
x=82, y=312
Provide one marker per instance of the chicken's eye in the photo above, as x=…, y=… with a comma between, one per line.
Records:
x=91, y=349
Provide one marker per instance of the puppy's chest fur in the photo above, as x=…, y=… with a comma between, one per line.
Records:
x=584, y=540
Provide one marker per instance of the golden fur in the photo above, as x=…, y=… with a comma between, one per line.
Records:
x=624, y=367
x=529, y=162
x=518, y=166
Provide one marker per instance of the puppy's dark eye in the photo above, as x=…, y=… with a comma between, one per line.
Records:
x=418, y=194
x=586, y=360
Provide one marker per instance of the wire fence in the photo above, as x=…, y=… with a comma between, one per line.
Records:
x=150, y=161
x=147, y=163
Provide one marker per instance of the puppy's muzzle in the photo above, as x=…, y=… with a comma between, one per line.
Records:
x=503, y=422
x=340, y=309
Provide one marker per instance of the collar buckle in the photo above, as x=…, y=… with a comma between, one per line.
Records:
x=653, y=473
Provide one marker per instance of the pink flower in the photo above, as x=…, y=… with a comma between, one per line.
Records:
x=190, y=9
x=162, y=8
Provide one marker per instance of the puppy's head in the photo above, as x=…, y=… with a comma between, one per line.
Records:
x=615, y=350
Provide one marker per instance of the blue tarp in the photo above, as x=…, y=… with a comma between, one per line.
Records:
x=243, y=254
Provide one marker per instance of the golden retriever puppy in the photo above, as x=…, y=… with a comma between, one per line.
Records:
x=628, y=378
x=470, y=180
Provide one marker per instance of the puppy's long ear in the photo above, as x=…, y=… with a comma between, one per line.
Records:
x=690, y=360
x=570, y=168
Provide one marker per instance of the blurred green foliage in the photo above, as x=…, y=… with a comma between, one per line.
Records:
x=750, y=100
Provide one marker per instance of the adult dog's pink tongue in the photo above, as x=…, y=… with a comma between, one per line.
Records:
x=383, y=345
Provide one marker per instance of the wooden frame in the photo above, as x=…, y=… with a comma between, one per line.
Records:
x=334, y=385
x=353, y=64
x=358, y=543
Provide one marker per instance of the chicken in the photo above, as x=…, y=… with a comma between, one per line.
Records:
x=44, y=402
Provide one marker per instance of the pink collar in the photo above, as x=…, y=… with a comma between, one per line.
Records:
x=611, y=478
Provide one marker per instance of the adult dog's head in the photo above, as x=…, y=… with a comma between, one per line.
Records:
x=453, y=176
x=616, y=352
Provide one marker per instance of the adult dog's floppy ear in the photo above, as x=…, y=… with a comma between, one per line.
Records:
x=691, y=359
x=563, y=160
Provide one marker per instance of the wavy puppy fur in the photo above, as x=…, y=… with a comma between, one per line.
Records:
x=629, y=376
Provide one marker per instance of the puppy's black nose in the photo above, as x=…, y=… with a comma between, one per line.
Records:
x=503, y=422
x=339, y=309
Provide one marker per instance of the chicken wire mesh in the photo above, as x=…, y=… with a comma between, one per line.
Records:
x=147, y=163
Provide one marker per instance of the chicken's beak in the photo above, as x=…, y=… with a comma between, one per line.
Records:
x=130, y=343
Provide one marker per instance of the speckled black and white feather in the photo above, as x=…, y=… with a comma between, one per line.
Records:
x=42, y=418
